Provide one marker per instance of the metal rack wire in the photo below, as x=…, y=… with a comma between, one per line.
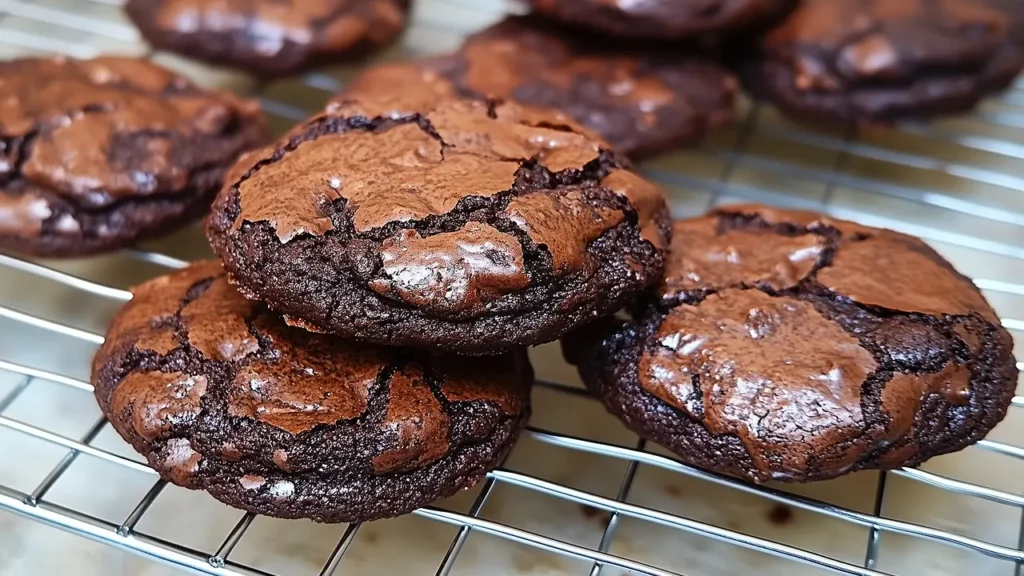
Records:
x=994, y=163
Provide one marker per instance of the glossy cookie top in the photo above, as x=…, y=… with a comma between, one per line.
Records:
x=466, y=210
x=785, y=249
x=424, y=166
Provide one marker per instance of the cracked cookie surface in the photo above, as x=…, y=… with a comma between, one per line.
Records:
x=869, y=61
x=270, y=37
x=641, y=102
x=789, y=346
x=469, y=226
x=664, y=19
x=219, y=394
x=98, y=154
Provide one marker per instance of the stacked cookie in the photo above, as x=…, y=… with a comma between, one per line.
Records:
x=469, y=226
x=327, y=367
x=220, y=394
x=358, y=349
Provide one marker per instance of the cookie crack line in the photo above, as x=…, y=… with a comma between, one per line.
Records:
x=488, y=207
x=196, y=363
x=19, y=148
x=858, y=434
x=808, y=284
x=327, y=125
x=805, y=292
x=874, y=382
x=869, y=428
x=16, y=148
x=831, y=234
x=809, y=290
x=22, y=144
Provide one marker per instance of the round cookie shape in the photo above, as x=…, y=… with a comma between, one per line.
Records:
x=790, y=346
x=219, y=394
x=99, y=154
x=862, y=62
x=664, y=19
x=641, y=102
x=270, y=37
x=470, y=226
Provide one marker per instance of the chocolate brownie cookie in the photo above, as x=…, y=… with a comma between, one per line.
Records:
x=98, y=154
x=858, y=61
x=269, y=37
x=640, y=101
x=469, y=226
x=220, y=395
x=791, y=346
x=665, y=19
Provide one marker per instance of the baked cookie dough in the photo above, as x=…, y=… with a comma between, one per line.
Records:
x=98, y=154
x=849, y=62
x=468, y=226
x=269, y=37
x=220, y=395
x=790, y=346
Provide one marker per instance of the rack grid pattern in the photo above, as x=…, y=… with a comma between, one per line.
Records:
x=994, y=164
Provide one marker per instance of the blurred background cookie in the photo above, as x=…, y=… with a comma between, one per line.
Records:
x=269, y=37
x=856, y=61
x=98, y=154
x=664, y=19
x=642, y=101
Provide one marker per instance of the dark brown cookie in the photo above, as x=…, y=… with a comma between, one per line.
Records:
x=269, y=37
x=220, y=395
x=791, y=346
x=665, y=19
x=862, y=61
x=641, y=102
x=98, y=154
x=470, y=226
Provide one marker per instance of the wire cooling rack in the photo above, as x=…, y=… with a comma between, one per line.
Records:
x=957, y=183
